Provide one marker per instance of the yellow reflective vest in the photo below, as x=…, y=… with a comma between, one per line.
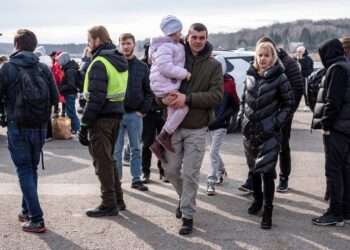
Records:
x=117, y=81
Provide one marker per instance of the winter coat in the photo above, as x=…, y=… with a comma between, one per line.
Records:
x=267, y=103
x=24, y=59
x=98, y=105
x=204, y=90
x=229, y=105
x=332, y=109
x=68, y=83
x=293, y=73
x=306, y=64
x=138, y=96
x=168, y=61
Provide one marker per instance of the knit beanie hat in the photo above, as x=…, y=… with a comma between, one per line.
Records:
x=63, y=58
x=345, y=42
x=170, y=25
x=221, y=60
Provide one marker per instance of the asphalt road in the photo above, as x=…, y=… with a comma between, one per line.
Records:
x=68, y=186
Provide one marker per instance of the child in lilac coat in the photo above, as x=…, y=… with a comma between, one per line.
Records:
x=167, y=55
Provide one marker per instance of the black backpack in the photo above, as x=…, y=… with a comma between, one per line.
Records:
x=32, y=106
x=314, y=82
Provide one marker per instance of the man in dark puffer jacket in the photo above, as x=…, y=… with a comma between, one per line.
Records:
x=292, y=71
x=104, y=88
x=332, y=115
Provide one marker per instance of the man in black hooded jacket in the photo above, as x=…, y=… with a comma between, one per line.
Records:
x=332, y=116
x=104, y=88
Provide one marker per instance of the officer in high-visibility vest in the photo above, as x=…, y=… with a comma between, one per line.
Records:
x=104, y=89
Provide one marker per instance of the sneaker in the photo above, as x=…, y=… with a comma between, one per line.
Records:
x=328, y=219
x=139, y=186
x=186, y=227
x=101, y=211
x=210, y=188
x=163, y=178
x=23, y=217
x=247, y=187
x=75, y=136
x=34, y=227
x=121, y=205
x=145, y=178
x=220, y=176
x=283, y=186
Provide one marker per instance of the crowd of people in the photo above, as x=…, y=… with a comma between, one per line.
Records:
x=172, y=103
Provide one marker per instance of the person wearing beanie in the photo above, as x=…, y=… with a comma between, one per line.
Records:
x=332, y=117
x=292, y=71
x=218, y=128
x=68, y=89
x=167, y=55
x=346, y=45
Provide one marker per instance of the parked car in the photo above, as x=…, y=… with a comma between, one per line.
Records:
x=238, y=62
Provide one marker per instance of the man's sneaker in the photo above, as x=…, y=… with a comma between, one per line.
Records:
x=75, y=136
x=163, y=178
x=283, y=186
x=247, y=187
x=121, y=205
x=220, y=176
x=210, y=188
x=145, y=178
x=186, y=227
x=139, y=186
x=23, y=217
x=101, y=211
x=34, y=227
x=328, y=219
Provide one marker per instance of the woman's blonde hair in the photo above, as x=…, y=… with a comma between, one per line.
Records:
x=265, y=46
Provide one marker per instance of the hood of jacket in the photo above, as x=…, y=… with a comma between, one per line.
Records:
x=331, y=51
x=110, y=52
x=156, y=42
x=274, y=70
x=71, y=65
x=24, y=58
x=203, y=54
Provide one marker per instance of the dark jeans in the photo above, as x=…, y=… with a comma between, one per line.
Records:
x=152, y=125
x=25, y=146
x=285, y=159
x=72, y=112
x=337, y=151
x=267, y=194
x=103, y=136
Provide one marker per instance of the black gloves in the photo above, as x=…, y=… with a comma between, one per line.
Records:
x=83, y=136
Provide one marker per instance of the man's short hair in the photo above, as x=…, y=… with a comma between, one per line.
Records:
x=126, y=36
x=25, y=40
x=198, y=27
x=101, y=33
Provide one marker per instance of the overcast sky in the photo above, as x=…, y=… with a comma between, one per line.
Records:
x=66, y=21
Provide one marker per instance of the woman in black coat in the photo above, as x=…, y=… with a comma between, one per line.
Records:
x=267, y=103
